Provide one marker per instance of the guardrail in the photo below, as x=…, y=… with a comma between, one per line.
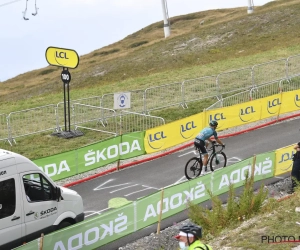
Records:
x=3, y=128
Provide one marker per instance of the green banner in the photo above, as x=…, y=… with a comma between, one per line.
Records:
x=132, y=145
x=111, y=150
x=235, y=174
x=148, y=210
x=59, y=166
x=64, y=165
x=95, y=232
x=175, y=199
x=98, y=154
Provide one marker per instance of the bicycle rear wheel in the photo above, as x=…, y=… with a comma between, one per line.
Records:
x=193, y=168
x=218, y=160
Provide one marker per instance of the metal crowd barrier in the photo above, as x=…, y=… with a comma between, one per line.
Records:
x=228, y=88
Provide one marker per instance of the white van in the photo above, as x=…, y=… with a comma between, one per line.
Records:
x=31, y=203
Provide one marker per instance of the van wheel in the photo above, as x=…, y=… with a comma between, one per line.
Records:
x=63, y=224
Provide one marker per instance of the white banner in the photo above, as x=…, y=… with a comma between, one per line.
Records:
x=122, y=100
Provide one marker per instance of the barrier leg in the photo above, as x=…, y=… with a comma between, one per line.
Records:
x=160, y=212
x=41, y=241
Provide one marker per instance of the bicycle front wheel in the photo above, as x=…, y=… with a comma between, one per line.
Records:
x=193, y=168
x=218, y=160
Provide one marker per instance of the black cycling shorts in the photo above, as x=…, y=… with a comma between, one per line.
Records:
x=200, y=145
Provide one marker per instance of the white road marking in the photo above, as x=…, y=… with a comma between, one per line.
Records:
x=183, y=178
x=97, y=212
x=136, y=191
x=101, y=186
x=278, y=177
x=190, y=152
x=234, y=159
x=123, y=188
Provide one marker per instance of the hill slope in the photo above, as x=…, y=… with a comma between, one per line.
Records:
x=202, y=43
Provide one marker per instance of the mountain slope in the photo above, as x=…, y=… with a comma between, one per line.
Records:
x=202, y=43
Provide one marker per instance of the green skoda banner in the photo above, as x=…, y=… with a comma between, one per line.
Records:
x=95, y=232
x=132, y=145
x=175, y=199
x=59, y=166
x=235, y=174
x=96, y=155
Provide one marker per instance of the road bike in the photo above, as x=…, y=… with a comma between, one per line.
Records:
x=216, y=160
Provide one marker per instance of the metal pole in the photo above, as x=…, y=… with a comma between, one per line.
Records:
x=250, y=7
x=166, y=18
x=160, y=211
x=65, y=111
x=69, y=118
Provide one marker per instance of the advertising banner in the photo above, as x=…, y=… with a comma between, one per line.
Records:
x=290, y=101
x=284, y=161
x=147, y=209
x=172, y=134
x=235, y=174
x=271, y=106
x=175, y=199
x=95, y=232
x=59, y=166
x=235, y=115
x=111, y=150
x=132, y=145
x=247, y=112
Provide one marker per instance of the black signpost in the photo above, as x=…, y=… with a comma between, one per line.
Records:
x=66, y=78
x=69, y=59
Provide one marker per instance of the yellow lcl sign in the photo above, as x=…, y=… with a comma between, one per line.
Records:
x=61, y=57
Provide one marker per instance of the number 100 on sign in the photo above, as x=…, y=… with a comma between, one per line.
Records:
x=65, y=76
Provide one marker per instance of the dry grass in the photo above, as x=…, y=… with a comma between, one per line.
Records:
x=228, y=39
x=277, y=220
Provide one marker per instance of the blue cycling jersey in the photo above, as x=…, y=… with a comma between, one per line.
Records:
x=207, y=133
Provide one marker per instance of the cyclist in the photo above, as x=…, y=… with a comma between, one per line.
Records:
x=189, y=238
x=204, y=136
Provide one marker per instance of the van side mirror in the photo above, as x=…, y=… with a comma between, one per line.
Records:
x=58, y=194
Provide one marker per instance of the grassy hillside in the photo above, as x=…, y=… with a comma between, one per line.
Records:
x=202, y=43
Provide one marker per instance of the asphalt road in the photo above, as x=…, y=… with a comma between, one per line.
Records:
x=146, y=178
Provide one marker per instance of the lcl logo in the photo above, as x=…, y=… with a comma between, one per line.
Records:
x=274, y=103
x=296, y=100
x=217, y=117
x=245, y=113
x=286, y=157
x=158, y=136
x=61, y=55
x=184, y=130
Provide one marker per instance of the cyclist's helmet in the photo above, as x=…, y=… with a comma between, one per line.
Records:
x=192, y=229
x=213, y=123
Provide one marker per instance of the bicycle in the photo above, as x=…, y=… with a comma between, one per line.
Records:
x=217, y=159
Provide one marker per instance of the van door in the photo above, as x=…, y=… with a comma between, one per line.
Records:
x=40, y=205
x=11, y=216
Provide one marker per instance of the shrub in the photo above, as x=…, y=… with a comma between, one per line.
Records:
x=137, y=44
x=237, y=209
